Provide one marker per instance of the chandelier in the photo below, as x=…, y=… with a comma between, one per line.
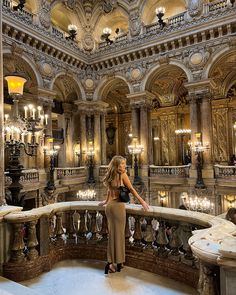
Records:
x=86, y=195
x=199, y=204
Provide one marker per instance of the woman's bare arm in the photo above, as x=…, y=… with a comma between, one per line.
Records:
x=128, y=184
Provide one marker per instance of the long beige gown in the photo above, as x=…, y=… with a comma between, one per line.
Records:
x=116, y=217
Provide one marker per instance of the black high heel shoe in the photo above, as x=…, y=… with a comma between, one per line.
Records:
x=108, y=269
x=119, y=266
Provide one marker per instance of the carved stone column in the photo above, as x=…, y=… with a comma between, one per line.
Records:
x=83, y=141
x=103, y=138
x=194, y=125
x=2, y=178
x=48, y=131
x=97, y=138
x=144, y=134
x=135, y=121
x=206, y=122
x=66, y=155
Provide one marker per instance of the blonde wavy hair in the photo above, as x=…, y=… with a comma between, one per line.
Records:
x=112, y=170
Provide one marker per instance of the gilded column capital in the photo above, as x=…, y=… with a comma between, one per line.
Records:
x=141, y=99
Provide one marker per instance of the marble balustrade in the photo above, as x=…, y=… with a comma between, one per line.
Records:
x=175, y=171
x=222, y=171
x=162, y=239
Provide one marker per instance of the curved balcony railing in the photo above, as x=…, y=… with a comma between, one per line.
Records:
x=161, y=241
x=175, y=171
x=216, y=5
x=226, y=172
x=73, y=175
x=30, y=176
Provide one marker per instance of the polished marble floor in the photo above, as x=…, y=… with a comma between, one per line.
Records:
x=73, y=277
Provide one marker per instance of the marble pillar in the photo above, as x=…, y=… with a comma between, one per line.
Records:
x=194, y=126
x=206, y=128
x=103, y=139
x=2, y=178
x=83, y=140
x=144, y=135
x=97, y=139
x=48, y=132
x=135, y=121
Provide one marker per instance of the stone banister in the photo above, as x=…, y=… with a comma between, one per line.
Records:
x=212, y=241
x=222, y=171
x=177, y=171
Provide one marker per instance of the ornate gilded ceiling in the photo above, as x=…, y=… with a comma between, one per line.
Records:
x=167, y=84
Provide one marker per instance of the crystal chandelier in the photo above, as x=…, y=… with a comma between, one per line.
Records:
x=199, y=204
x=86, y=195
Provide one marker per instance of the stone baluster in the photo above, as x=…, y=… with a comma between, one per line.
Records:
x=32, y=241
x=175, y=242
x=93, y=227
x=127, y=230
x=82, y=227
x=206, y=283
x=18, y=244
x=148, y=233
x=59, y=228
x=70, y=227
x=103, y=231
x=162, y=241
x=186, y=233
x=103, y=139
x=137, y=231
x=52, y=225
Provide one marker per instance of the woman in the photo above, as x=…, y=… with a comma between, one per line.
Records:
x=115, y=212
x=231, y=215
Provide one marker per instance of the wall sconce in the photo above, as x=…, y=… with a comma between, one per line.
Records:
x=106, y=34
x=160, y=12
x=162, y=195
x=135, y=150
x=231, y=199
x=156, y=138
x=72, y=32
x=20, y=6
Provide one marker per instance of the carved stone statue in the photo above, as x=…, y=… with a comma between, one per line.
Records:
x=194, y=7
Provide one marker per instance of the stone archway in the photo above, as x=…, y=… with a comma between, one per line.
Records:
x=170, y=112
x=114, y=92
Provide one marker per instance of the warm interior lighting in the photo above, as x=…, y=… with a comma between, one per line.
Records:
x=156, y=138
x=15, y=85
x=106, y=31
x=77, y=149
x=183, y=131
x=72, y=27
x=160, y=10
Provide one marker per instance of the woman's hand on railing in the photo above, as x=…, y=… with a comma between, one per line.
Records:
x=145, y=206
x=103, y=203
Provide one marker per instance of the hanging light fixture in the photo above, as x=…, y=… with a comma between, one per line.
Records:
x=72, y=32
x=160, y=12
x=106, y=34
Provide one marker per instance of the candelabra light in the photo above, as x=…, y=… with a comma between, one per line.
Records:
x=160, y=12
x=182, y=133
x=72, y=32
x=20, y=6
x=86, y=195
x=199, y=148
x=136, y=149
x=90, y=155
x=51, y=151
x=21, y=133
x=106, y=34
